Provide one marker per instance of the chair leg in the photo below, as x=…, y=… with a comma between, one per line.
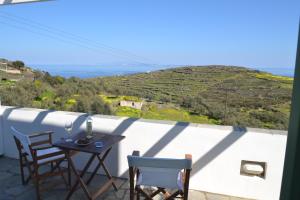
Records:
x=52, y=167
x=22, y=170
x=186, y=184
x=137, y=195
x=37, y=187
x=62, y=175
x=36, y=178
x=69, y=174
x=30, y=172
x=143, y=193
x=131, y=182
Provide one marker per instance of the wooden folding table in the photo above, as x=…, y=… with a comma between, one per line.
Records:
x=99, y=154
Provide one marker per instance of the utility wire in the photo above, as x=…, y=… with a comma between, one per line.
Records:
x=64, y=39
x=70, y=36
x=49, y=36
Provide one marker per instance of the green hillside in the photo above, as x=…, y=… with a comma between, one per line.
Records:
x=208, y=94
x=232, y=95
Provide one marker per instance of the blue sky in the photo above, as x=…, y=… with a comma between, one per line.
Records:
x=256, y=33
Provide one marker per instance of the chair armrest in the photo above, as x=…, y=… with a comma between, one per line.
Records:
x=135, y=170
x=40, y=134
x=184, y=173
x=188, y=156
x=133, y=174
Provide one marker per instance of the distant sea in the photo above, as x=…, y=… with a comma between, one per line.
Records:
x=91, y=71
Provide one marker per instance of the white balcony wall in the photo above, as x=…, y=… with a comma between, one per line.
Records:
x=217, y=150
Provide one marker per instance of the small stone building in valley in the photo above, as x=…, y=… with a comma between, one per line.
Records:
x=132, y=104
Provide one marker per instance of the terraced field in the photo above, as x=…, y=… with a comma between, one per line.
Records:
x=230, y=95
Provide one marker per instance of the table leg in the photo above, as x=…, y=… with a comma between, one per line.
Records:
x=107, y=172
x=93, y=174
x=79, y=176
x=98, y=166
x=109, y=182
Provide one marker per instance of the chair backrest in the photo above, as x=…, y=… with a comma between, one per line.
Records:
x=160, y=172
x=23, y=139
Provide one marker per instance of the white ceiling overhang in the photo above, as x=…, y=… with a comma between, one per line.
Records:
x=10, y=2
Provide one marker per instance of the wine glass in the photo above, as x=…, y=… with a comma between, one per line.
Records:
x=68, y=128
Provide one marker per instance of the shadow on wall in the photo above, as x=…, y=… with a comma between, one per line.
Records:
x=8, y=111
x=41, y=116
x=77, y=123
x=37, y=123
x=114, y=154
x=164, y=141
x=120, y=130
x=214, y=152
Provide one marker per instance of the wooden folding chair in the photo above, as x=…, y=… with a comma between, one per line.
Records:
x=34, y=154
x=161, y=173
